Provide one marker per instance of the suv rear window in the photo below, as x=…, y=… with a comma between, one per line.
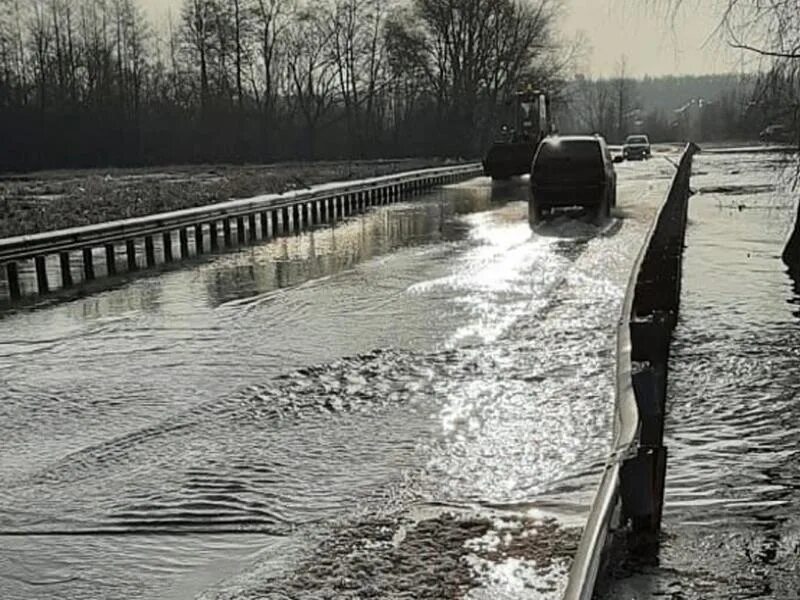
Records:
x=637, y=139
x=579, y=151
x=568, y=160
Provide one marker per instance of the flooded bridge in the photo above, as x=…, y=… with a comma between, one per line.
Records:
x=414, y=403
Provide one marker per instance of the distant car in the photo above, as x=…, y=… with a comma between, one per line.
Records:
x=775, y=133
x=572, y=171
x=636, y=147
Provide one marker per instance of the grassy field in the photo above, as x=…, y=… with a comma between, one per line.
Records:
x=44, y=201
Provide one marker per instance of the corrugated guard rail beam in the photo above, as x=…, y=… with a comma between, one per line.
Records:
x=145, y=242
x=632, y=482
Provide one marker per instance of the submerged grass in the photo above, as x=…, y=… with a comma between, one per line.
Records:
x=37, y=202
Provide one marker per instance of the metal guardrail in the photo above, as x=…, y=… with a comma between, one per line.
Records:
x=320, y=204
x=632, y=482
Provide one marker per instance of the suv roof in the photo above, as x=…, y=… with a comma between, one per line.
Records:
x=580, y=148
x=570, y=140
x=576, y=138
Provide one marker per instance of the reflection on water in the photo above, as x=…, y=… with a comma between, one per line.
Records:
x=290, y=261
x=429, y=353
x=733, y=482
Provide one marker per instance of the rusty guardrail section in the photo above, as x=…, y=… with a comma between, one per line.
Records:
x=632, y=482
x=273, y=215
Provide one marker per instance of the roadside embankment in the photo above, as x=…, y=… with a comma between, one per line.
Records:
x=36, y=202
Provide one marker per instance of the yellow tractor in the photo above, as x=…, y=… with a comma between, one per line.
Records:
x=512, y=151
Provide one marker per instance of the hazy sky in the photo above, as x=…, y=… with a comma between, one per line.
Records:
x=650, y=43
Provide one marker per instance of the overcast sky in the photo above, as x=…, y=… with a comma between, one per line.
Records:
x=650, y=43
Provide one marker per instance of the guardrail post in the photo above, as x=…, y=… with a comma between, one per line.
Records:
x=12, y=276
x=213, y=239
x=149, y=252
x=315, y=212
x=183, y=236
x=285, y=220
x=226, y=232
x=264, y=225
x=166, y=239
x=130, y=250
x=240, y=233
x=643, y=476
x=198, y=239
x=66, y=272
x=253, y=227
x=111, y=259
x=41, y=275
x=88, y=264
x=296, y=219
x=304, y=211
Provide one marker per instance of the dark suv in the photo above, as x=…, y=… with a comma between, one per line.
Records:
x=572, y=171
x=636, y=147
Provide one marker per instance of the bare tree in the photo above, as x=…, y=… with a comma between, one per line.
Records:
x=311, y=72
x=273, y=20
x=622, y=92
x=472, y=53
x=199, y=21
x=593, y=105
x=357, y=51
x=86, y=82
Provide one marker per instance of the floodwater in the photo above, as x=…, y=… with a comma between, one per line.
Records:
x=731, y=526
x=412, y=404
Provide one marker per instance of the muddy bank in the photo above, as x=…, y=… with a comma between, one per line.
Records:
x=46, y=201
x=444, y=556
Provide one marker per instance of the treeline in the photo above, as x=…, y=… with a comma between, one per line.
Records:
x=93, y=83
x=699, y=108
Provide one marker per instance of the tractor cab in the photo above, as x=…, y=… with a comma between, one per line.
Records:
x=512, y=151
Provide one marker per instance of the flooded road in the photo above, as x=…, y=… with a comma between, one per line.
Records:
x=731, y=527
x=413, y=404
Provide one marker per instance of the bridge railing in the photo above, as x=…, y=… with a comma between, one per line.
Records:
x=251, y=219
x=631, y=489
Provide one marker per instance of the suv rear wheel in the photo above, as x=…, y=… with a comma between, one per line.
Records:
x=535, y=213
x=603, y=210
